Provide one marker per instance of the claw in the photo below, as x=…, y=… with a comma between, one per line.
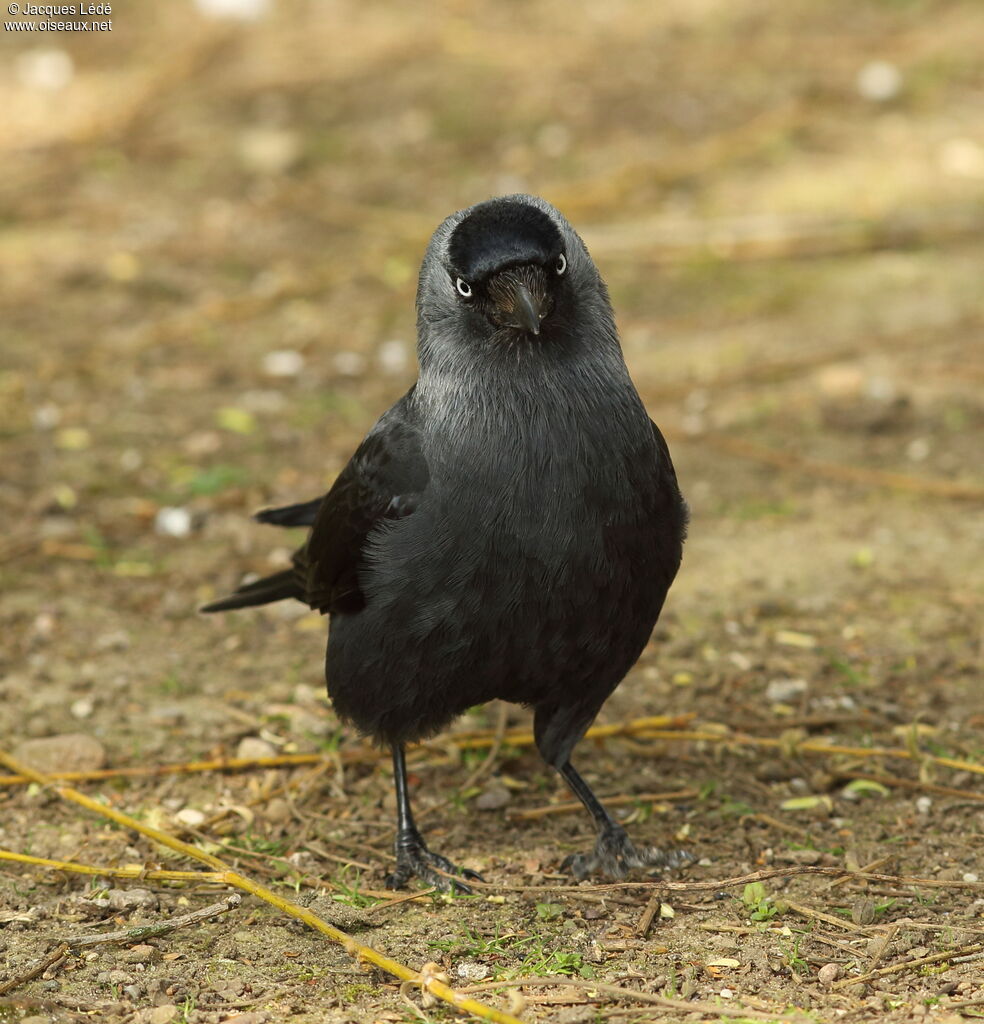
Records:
x=414, y=860
x=615, y=856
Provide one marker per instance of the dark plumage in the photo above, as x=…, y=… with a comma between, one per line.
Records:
x=508, y=529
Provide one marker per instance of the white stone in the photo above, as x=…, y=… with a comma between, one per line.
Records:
x=173, y=522
x=392, y=356
x=283, y=362
x=82, y=708
x=48, y=69
x=349, y=364
x=879, y=81
x=782, y=691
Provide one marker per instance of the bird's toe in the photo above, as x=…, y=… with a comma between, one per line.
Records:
x=431, y=868
x=615, y=855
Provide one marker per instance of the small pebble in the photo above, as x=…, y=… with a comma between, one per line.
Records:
x=349, y=364
x=863, y=911
x=782, y=691
x=73, y=752
x=82, y=708
x=252, y=748
x=283, y=363
x=47, y=416
x=918, y=450
x=962, y=158
x=970, y=876
x=277, y=811
x=472, y=970
x=190, y=816
x=265, y=150
x=141, y=954
x=392, y=357
x=114, y=977
x=800, y=856
x=173, y=522
x=828, y=974
x=131, y=899
x=879, y=81
x=493, y=797
x=130, y=460
x=202, y=442
x=924, y=804
x=46, y=69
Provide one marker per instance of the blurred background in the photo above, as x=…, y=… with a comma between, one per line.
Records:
x=212, y=218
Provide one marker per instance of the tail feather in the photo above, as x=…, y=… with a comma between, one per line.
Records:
x=277, y=587
x=301, y=514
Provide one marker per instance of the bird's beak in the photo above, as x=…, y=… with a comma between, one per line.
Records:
x=526, y=309
x=520, y=298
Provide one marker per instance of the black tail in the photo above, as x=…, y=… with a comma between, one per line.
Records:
x=277, y=587
x=301, y=514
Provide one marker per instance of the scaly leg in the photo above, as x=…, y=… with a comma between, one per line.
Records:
x=614, y=854
x=412, y=856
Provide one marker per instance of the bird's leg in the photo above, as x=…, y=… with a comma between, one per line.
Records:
x=412, y=856
x=614, y=854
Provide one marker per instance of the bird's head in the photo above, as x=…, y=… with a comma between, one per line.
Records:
x=507, y=270
x=506, y=263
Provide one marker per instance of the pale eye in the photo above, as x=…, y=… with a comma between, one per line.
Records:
x=561, y=265
x=464, y=288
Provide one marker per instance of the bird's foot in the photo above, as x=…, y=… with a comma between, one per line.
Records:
x=414, y=860
x=615, y=856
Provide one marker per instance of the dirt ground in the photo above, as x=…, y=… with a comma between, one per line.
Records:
x=209, y=235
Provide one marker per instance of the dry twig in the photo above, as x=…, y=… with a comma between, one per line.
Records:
x=819, y=915
x=150, y=874
x=351, y=946
x=617, y=992
x=39, y=968
x=717, y=884
x=935, y=958
x=648, y=915
x=569, y=807
x=148, y=931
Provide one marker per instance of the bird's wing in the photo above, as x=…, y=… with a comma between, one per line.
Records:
x=302, y=514
x=383, y=481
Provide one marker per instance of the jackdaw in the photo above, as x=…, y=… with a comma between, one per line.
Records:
x=508, y=529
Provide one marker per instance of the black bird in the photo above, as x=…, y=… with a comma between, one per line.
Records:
x=508, y=529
